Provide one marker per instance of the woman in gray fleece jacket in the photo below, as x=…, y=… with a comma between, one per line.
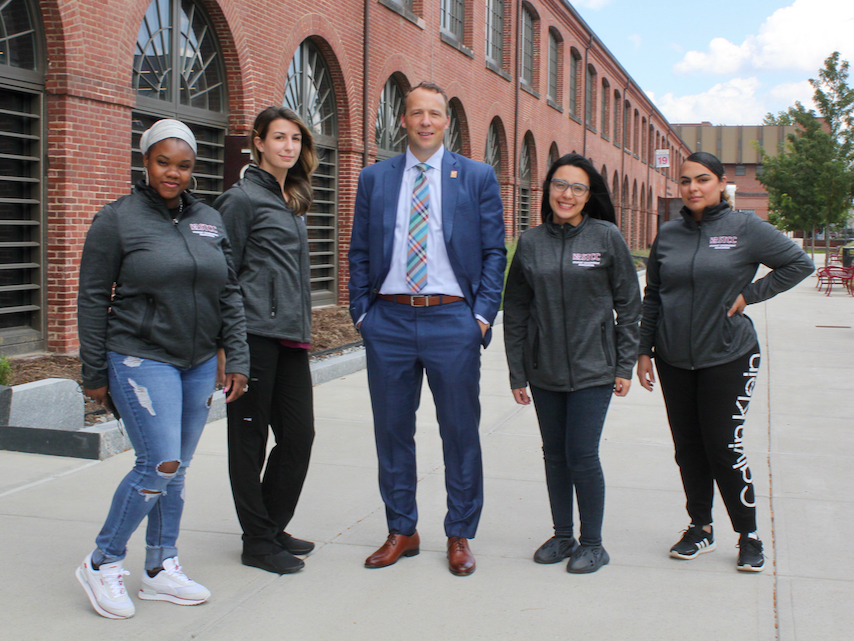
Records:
x=568, y=278
x=699, y=280
x=264, y=214
x=157, y=293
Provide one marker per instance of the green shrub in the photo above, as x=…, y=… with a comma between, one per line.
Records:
x=5, y=371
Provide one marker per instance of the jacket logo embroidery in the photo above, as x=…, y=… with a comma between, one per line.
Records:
x=203, y=229
x=723, y=242
x=587, y=260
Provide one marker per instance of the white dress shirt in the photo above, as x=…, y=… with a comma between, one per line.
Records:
x=440, y=275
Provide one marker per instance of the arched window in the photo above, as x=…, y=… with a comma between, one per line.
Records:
x=309, y=92
x=528, y=35
x=495, y=32
x=554, y=155
x=574, y=81
x=492, y=156
x=22, y=171
x=590, y=97
x=390, y=136
x=178, y=73
x=555, y=42
x=606, y=108
x=618, y=119
x=627, y=125
x=524, y=210
x=453, y=134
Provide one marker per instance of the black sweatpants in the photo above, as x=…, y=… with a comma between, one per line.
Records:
x=279, y=396
x=706, y=409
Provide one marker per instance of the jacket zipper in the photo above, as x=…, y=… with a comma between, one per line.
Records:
x=563, y=301
x=693, y=299
x=195, y=302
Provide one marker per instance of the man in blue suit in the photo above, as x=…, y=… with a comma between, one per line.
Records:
x=427, y=261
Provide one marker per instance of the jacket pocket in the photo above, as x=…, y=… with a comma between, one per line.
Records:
x=273, y=302
x=606, y=347
x=148, y=317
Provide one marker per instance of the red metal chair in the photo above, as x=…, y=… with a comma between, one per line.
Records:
x=835, y=275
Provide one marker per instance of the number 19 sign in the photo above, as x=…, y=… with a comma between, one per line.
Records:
x=662, y=158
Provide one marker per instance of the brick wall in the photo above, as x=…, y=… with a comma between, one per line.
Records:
x=90, y=48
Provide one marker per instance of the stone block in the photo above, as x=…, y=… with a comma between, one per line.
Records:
x=51, y=403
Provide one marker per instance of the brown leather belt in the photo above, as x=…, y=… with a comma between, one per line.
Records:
x=421, y=301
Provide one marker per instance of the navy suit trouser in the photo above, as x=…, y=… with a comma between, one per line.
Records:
x=402, y=343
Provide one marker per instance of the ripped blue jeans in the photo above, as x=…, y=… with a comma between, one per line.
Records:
x=164, y=410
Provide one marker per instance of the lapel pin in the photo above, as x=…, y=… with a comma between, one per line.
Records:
x=454, y=173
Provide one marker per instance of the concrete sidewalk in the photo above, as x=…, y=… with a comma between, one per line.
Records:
x=800, y=439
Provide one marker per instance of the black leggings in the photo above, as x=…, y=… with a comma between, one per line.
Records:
x=706, y=409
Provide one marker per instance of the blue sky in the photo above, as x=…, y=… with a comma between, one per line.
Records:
x=727, y=62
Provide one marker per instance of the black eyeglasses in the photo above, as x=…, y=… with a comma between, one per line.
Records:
x=578, y=189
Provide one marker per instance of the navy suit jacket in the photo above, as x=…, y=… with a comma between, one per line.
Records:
x=472, y=223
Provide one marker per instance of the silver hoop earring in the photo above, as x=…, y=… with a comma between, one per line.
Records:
x=195, y=184
x=145, y=174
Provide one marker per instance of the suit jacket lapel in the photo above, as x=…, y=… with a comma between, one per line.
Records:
x=450, y=176
x=392, y=183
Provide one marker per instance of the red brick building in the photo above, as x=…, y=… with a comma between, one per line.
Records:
x=81, y=79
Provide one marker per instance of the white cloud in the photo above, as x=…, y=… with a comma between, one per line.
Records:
x=789, y=92
x=591, y=4
x=727, y=103
x=635, y=39
x=798, y=37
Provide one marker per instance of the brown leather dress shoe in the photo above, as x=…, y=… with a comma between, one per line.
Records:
x=396, y=546
x=460, y=558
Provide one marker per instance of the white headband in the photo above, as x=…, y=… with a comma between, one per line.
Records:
x=167, y=128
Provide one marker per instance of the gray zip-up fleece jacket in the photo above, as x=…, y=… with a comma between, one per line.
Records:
x=270, y=252
x=176, y=291
x=564, y=285
x=695, y=273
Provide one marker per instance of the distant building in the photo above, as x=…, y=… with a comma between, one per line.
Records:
x=733, y=144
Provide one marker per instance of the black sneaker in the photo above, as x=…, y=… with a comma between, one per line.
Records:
x=750, y=557
x=694, y=541
x=281, y=562
x=555, y=549
x=293, y=544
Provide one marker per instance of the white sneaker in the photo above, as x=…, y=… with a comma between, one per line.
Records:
x=106, y=589
x=171, y=584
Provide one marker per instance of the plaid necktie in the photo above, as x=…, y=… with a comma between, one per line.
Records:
x=416, y=253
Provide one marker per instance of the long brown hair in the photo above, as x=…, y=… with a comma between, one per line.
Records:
x=297, y=187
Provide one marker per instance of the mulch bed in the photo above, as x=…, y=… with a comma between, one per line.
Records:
x=331, y=327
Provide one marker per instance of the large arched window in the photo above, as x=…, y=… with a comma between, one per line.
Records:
x=22, y=132
x=178, y=73
x=524, y=209
x=309, y=92
x=390, y=136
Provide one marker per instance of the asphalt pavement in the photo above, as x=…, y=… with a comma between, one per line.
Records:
x=799, y=442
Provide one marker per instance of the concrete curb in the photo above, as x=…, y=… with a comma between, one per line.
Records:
x=38, y=434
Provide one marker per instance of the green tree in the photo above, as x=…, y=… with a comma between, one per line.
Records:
x=835, y=102
x=810, y=182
